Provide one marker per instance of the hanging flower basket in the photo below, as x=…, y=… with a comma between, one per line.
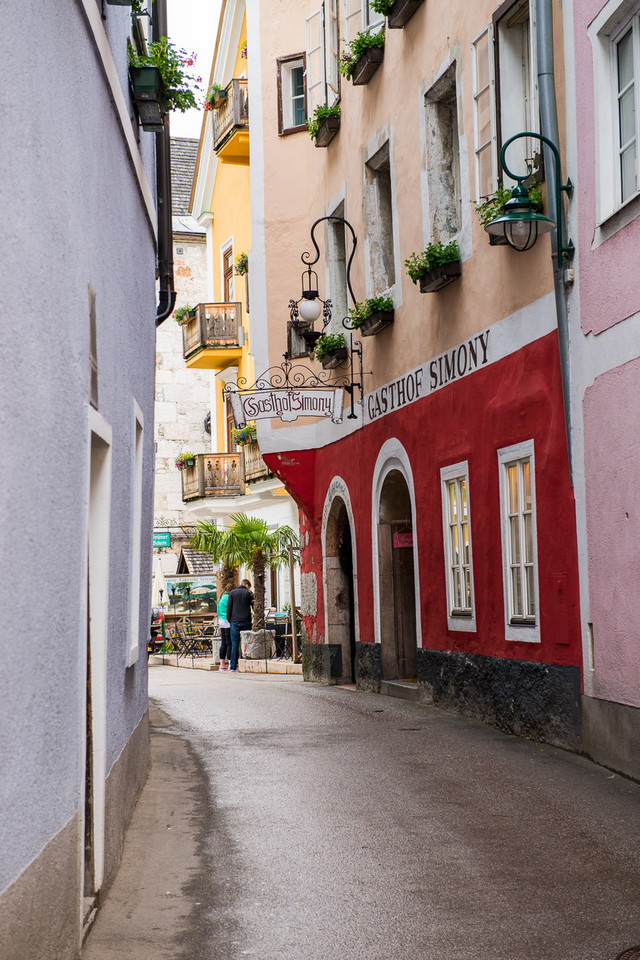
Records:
x=376, y=322
x=401, y=12
x=149, y=96
x=369, y=62
x=186, y=459
x=327, y=131
x=335, y=358
x=439, y=277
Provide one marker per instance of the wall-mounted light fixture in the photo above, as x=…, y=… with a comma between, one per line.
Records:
x=521, y=221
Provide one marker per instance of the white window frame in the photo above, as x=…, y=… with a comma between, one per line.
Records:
x=457, y=619
x=518, y=629
x=322, y=55
x=519, y=112
x=604, y=32
x=477, y=147
x=372, y=22
x=136, y=535
x=286, y=66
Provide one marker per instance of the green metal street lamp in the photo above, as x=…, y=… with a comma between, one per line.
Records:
x=521, y=221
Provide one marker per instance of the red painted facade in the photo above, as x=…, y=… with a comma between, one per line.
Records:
x=512, y=400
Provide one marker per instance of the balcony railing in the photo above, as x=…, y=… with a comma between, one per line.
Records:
x=231, y=114
x=214, y=327
x=213, y=475
x=254, y=466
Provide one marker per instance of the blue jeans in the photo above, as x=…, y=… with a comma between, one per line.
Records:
x=236, y=626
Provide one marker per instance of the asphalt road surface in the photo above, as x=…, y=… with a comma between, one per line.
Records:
x=337, y=825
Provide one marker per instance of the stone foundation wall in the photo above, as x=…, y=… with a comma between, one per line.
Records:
x=322, y=662
x=368, y=666
x=539, y=701
x=611, y=735
x=40, y=911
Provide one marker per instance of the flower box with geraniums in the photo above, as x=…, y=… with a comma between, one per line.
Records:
x=241, y=264
x=491, y=208
x=244, y=435
x=186, y=459
x=216, y=96
x=434, y=268
x=324, y=124
x=331, y=350
x=372, y=316
x=160, y=82
x=397, y=12
x=362, y=57
x=182, y=314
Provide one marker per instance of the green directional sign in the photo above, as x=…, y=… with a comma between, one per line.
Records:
x=161, y=538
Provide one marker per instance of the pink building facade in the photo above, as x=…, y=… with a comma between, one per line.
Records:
x=603, y=70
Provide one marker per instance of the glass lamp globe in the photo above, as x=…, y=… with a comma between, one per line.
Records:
x=309, y=310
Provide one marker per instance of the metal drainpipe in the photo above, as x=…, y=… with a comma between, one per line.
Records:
x=167, y=294
x=549, y=127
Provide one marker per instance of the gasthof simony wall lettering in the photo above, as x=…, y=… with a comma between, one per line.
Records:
x=437, y=373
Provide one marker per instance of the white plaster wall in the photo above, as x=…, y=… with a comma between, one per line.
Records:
x=182, y=395
x=73, y=215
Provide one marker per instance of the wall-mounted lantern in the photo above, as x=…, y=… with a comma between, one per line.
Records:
x=521, y=221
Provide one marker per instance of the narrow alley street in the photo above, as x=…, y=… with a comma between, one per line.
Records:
x=342, y=825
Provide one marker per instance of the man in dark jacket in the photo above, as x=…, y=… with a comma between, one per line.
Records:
x=239, y=617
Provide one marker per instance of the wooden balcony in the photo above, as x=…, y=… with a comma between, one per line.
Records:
x=254, y=466
x=213, y=475
x=223, y=474
x=230, y=119
x=210, y=339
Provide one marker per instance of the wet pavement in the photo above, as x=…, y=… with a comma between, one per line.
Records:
x=318, y=823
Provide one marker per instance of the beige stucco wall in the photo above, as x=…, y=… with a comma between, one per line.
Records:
x=302, y=183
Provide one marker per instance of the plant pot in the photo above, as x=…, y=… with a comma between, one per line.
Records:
x=440, y=276
x=327, y=131
x=190, y=462
x=334, y=359
x=401, y=12
x=367, y=65
x=148, y=93
x=375, y=323
x=186, y=317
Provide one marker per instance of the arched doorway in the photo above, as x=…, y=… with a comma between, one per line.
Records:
x=339, y=586
x=396, y=580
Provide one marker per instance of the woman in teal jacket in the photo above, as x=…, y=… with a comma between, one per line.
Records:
x=225, y=631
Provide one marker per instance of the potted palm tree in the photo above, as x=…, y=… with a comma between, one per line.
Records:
x=249, y=542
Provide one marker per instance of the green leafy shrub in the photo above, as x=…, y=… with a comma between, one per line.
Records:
x=435, y=255
x=320, y=114
x=382, y=7
x=358, y=46
x=328, y=343
x=180, y=86
x=362, y=311
x=181, y=313
x=491, y=208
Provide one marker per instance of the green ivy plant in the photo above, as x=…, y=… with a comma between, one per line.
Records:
x=362, y=311
x=320, y=114
x=328, y=343
x=382, y=7
x=216, y=93
x=434, y=255
x=180, y=86
x=358, y=46
x=181, y=313
x=491, y=207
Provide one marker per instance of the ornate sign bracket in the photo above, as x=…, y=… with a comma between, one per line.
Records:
x=289, y=391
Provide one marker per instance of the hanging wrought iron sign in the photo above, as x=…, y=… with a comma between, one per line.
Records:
x=287, y=392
